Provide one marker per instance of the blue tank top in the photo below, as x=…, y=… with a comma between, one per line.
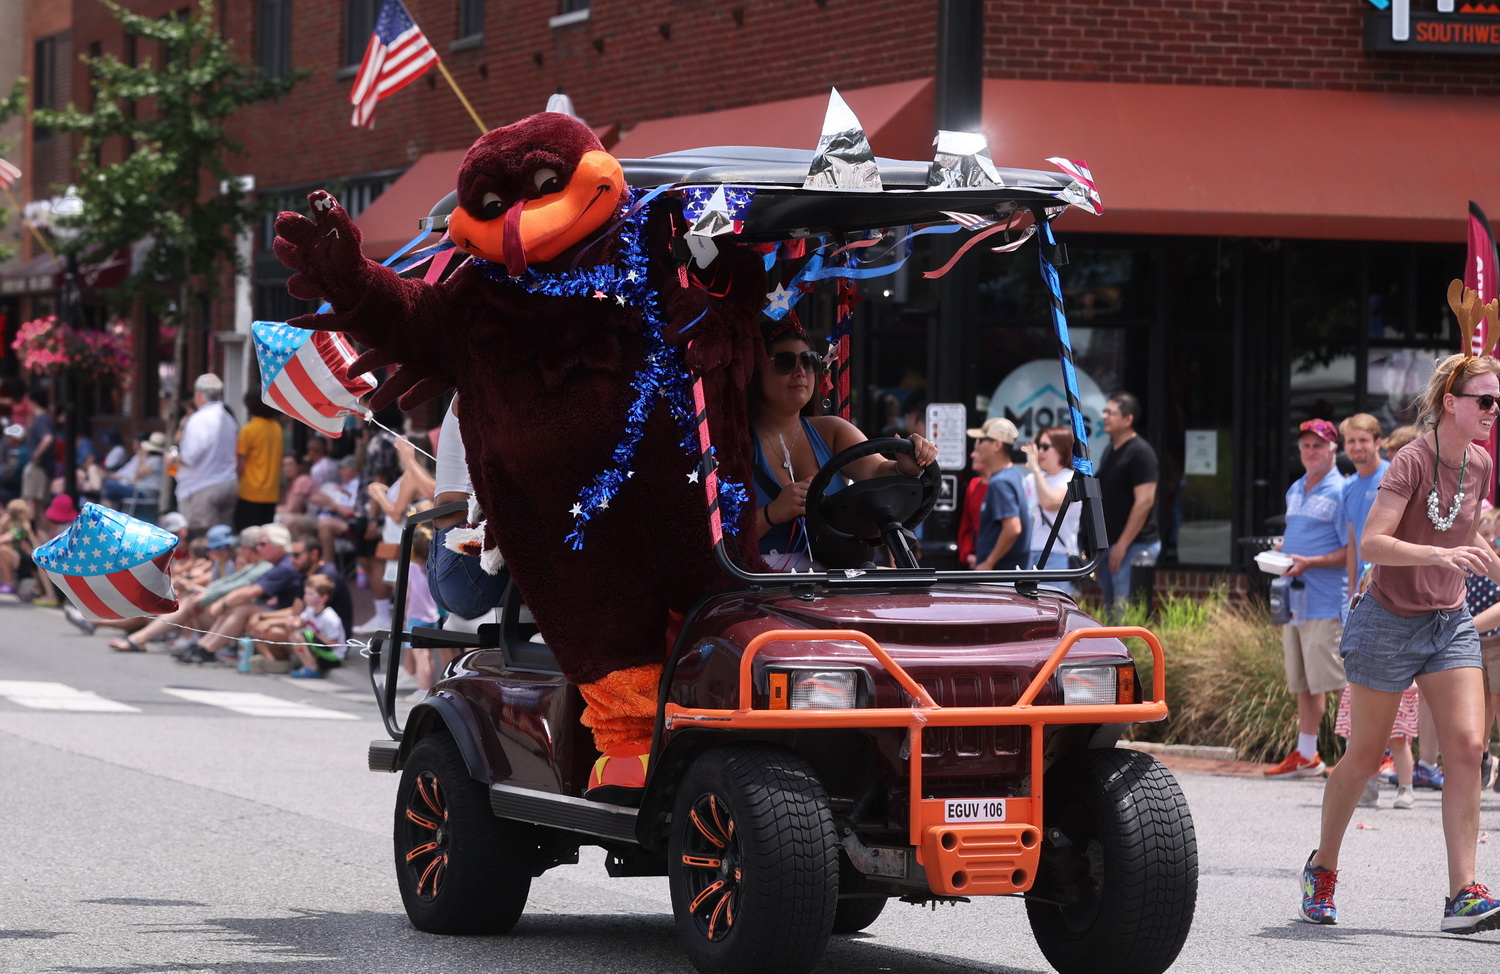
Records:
x=780, y=537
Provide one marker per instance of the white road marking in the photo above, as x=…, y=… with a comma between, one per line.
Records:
x=257, y=704
x=59, y=696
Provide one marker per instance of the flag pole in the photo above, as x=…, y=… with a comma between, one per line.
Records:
x=459, y=92
x=29, y=225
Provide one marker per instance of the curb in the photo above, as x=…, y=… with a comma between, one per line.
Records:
x=1198, y=751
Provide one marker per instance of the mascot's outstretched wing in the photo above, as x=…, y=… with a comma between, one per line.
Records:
x=407, y=323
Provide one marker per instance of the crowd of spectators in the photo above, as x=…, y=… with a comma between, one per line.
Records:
x=279, y=527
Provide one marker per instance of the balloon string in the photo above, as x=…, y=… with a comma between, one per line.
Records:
x=371, y=418
x=364, y=646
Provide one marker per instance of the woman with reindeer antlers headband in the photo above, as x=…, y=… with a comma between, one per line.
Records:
x=790, y=445
x=1422, y=536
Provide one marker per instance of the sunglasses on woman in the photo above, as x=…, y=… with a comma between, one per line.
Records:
x=785, y=362
x=1484, y=400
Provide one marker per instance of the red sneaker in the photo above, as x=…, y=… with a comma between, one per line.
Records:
x=619, y=776
x=1294, y=765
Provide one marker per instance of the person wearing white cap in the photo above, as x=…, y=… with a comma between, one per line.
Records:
x=1004, y=540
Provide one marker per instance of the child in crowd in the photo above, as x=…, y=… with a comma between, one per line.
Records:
x=1483, y=601
x=322, y=632
x=421, y=609
x=18, y=538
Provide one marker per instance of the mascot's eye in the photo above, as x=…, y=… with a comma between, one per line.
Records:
x=493, y=207
x=547, y=182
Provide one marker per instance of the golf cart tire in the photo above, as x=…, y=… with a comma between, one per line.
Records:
x=1131, y=865
x=471, y=875
x=858, y=907
x=752, y=862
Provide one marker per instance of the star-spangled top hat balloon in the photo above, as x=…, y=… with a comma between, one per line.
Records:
x=111, y=565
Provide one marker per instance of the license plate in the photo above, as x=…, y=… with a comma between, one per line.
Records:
x=974, y=810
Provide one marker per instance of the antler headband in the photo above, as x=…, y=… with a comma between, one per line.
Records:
x=1469, y=312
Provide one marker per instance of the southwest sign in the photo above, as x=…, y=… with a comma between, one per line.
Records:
x=1473, y=29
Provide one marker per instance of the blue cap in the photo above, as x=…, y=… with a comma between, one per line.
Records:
x=220, y=536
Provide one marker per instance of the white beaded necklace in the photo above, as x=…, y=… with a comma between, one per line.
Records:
x=1433, y=504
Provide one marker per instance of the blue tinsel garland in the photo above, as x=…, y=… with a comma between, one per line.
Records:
x=664, y=374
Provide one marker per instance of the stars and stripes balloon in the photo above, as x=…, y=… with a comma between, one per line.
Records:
x=110, y=565
x=301, y=374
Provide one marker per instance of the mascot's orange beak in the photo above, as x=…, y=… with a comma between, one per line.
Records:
x=540, y=230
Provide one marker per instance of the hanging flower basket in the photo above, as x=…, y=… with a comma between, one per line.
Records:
x=48, y=345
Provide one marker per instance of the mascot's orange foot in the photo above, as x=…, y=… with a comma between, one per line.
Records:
x=619, y=776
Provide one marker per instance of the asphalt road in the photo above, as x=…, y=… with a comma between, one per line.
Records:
x=178, y=835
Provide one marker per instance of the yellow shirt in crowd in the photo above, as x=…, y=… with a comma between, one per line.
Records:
x=260, y=450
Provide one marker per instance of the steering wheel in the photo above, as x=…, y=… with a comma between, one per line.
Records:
x=844, y=526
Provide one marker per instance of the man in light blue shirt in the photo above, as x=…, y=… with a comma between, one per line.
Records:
x=1362, y=445
x=1317, y=538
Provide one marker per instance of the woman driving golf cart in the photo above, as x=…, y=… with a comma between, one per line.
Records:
x=792, y=443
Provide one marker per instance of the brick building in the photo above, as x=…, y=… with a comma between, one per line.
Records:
x=1285, y=184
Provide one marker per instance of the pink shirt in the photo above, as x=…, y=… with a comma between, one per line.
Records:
x=1409, y=590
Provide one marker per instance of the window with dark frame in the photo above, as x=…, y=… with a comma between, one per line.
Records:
x=273, y=37
x=470, y=18
x=572, y=6
x=359, y=24
x=44, y=79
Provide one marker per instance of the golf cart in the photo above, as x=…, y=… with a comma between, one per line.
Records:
x=826, y=741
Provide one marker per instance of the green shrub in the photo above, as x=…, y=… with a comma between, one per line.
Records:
x=1225, y=683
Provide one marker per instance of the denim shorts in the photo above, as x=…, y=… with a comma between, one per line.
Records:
x=459, y=585
x=1384, y=651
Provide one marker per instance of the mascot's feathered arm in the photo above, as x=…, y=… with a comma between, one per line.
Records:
x=396, y=318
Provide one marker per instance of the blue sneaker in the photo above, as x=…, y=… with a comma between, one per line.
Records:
x=1427, y=776
x=1317, y=893
x=1471, y=911
x=305, y=673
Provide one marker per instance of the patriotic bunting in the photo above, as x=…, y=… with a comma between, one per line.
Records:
x=111, y=566
x=301, y=375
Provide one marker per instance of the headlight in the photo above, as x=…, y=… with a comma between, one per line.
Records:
x=810, y=689
x=1097, y=685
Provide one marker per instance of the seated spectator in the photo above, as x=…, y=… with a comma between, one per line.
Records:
x=299, y=489
x=18, y=538
x=276, y=589
x=139, y=478
x=323, y=468
x=342, y=507
x=281, y=625
x=194, y=609
x=317, y=636
x=115, y=453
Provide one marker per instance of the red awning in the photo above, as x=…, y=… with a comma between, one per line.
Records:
x=391, y=220
x=897, y=119
x=1263, y=162
x=39, y=275
x=43, y=274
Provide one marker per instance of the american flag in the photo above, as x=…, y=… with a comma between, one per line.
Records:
x=8, y=175
x=301, y=374
x=111, y=565
x=398, y=54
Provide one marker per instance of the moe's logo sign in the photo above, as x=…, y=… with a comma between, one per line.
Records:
x=1471, y=28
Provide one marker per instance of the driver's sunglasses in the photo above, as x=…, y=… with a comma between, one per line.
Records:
x=785, y=362
x=1484, y=400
